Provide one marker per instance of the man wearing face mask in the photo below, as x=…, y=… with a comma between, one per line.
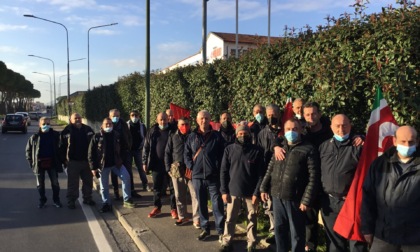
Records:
x=121, y=127
x=175, y=166
x=226, y=129
x=259, y=123
x=74, y=144
x=104, y=157
x=339, y=159
x=154, y=160
x=266, y=139
x=293, y=184
x=240, y=176
x=138, y=132
x=42, y=153
x=298, y=110
x=173, y=124
x=391, y=199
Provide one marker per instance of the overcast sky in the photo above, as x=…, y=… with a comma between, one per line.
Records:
x=119, y=50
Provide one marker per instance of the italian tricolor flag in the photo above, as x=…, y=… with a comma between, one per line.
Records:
x=380, y=130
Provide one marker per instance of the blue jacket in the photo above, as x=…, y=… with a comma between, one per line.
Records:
x=207, y=163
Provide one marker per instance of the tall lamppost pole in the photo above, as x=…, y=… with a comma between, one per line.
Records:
x=50, y=90
x=269, y=22
x=94, y=27
x=68, y=58
x=55, y=98
x=59, y=84
x=204, y=32
x=49, y=76
x=147, y=74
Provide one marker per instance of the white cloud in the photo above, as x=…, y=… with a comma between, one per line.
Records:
x=8, y=27
x=131, y=20
x=125, y=62
x=66, y=5
x=9, y=49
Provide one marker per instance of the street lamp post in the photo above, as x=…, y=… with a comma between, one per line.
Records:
x=55, y=98
x=50, y=88
x=68, y=57
x=94, y=27
x=59, y=84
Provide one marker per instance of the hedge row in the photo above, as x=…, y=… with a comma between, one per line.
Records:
x=337, y=65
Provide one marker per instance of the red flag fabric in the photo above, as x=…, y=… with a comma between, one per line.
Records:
x=288, y=110
x=179, y=111
x=215, y=125
x=381, y=128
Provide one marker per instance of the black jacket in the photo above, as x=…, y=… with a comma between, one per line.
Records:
x=391, y=202
x=125, y=136
x=97, y=150
x=338, y=164
x=207, y=163
x=139, y=130
x=75, y=142
x=266, y=139
x=242, y=170
x=295, y=178
x=228, y=134
x=32, y=151
x=174, y=151
x=255, y=128
x=318, y=137
x=155, y=137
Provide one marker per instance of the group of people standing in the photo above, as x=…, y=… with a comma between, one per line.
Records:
x=297, y=168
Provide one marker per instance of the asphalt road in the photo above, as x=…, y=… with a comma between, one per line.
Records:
x=24, y=227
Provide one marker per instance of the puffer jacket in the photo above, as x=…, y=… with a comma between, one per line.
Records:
x=32, y=151
x=297, y=177
x=97, y=151
x=207, y=163
x=174, y=151
x=391, y=202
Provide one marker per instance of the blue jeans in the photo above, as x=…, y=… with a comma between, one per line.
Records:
x=136, y=155
x=123, y=174
x=40, y=183
x=288, y=218
x=213, y=186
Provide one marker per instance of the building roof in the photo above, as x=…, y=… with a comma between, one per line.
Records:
x=245, y=38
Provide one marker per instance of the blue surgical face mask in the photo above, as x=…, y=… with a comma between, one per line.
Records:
x=45, y=128
x=162, y=127
x=341, y=138
x=115, y=119
x=107, y=130
x=259, y=117
x=406, y=151
x=291, y=136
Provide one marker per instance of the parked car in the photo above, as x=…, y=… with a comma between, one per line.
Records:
x=14, y=122
x=34, y=116
x=26, y=115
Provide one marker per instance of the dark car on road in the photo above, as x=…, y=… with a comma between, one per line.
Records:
x=14, y=122
x=34, y=116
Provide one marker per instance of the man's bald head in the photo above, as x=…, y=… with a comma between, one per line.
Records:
x=405, y=135
x=340, y=125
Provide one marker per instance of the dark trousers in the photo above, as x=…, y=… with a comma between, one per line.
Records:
x=127, y=163
x=213, y=186
x=77, y=170
x=169, y=183
x=312, y=228
x=136, y=155
x=382, y=246
x=331, y=207
x=288, y=218
x=158, y=182
x=40, y=182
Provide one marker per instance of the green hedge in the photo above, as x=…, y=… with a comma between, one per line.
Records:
x=337, y=65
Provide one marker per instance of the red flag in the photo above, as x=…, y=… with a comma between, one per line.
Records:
x=215, y=125
x=179, y=111
x=381, y=128
x=288, y=110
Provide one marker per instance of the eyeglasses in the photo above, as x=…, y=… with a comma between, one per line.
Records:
x=45, y=124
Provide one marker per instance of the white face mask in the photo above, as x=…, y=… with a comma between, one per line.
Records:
x=107, y=130
x=134, y=119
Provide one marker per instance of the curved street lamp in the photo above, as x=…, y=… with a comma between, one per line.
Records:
x=94, y=27
x=55, y=98
x=68, y=57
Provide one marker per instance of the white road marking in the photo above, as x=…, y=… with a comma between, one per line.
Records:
x=98, y=235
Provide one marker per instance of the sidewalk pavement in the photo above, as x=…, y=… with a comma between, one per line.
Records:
x=160, y=234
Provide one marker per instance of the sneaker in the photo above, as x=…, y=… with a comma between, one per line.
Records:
x=181, y=222
x=271, y=239
x=41, y=204
x=174, y=214
x=58, y=204
x=105, y=208
x=225, y=248
x=196, y=225
x=203, y=236
x=134, y=194
x=129, y=203
x=155, y=212
x=89, y=202
x=147, y=188
x=71, y=205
